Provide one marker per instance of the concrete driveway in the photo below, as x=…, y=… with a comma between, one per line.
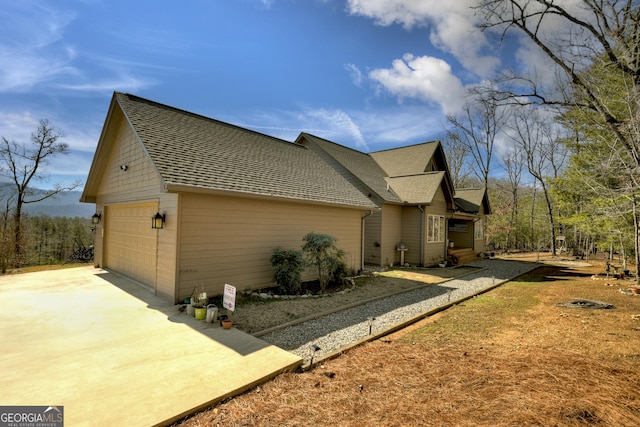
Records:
x=112, y=353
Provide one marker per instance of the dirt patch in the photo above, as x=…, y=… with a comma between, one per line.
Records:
x=257, y=314
x=507, y=357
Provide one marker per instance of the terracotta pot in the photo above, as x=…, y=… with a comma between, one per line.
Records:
x=226, y=324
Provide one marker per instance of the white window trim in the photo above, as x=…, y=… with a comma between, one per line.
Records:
x=435, y=228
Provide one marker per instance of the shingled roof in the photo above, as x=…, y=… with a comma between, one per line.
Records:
x=469, y=200
x=353, y=163
x=398, y=175
x=417, y=189
x=194, y=152
x=409, y=160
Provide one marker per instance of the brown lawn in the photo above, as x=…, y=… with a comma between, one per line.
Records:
x=508, y=357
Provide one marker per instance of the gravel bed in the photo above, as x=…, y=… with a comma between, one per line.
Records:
x=338, y=330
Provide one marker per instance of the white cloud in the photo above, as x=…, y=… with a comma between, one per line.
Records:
x=426, y=78
x=452, y=26
x=355, y=73
x=337, y=122
x=364, y=130
x=18, y=126
x=28, y=50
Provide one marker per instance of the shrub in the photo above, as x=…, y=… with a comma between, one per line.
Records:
x=320, y=250
x=288, y=265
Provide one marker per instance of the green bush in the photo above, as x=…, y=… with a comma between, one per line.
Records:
x=288, y=265
x=320, y=250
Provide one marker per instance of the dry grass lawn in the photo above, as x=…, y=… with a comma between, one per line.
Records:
x=507, y=357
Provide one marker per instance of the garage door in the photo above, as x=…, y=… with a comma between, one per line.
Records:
x=130, y=242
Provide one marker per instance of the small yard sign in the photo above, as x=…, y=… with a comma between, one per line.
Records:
x=229, y=299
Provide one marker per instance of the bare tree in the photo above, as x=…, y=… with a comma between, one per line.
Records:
x=514, y=162
x=24, y=163
x=545, y=155
x=573, y=35
x=477, y=128
x=457, y=155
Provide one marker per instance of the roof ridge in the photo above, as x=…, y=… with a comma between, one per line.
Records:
x=332, y=142
x=203, y=117
x=407, y=146
x=417, y=174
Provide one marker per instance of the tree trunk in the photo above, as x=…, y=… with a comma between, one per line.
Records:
x=636, y=230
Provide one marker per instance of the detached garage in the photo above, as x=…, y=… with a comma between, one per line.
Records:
x=226, y=197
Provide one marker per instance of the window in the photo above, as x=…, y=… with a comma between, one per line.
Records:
x=435, y=228
x=478, y=230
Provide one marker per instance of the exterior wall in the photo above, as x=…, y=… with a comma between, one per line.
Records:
x=138, y=184
x=225, y=239
x=435, y=252
x=479, y=244
x=167, y=263
x=391, y=234
x=373, y=238
x=412, y=235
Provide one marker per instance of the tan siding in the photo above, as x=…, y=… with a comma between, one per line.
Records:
x=372, y=238
x=139, y=184
x=140, y=173
x=479, y=245
x=230, y=240
x=435, y=253
x=167, y=270
x=411, y=229
x=391, y=233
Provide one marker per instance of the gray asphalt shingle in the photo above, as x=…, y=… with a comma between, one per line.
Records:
x=195, y=151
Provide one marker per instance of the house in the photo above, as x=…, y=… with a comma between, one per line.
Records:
x=187, y=202
x=227, y=197
x=420, y=214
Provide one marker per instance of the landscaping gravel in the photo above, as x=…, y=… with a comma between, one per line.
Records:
x=340, y=329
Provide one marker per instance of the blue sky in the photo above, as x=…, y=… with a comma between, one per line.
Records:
x=368, y=74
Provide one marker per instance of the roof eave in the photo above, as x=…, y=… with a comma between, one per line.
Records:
x=185, y=188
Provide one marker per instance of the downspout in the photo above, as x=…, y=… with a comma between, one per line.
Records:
x=362, y=240
x=421, y=235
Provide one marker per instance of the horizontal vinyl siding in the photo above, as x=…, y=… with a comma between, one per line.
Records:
x=167, y=247
x=230, y=240
x=372, y=238
x=411, y=230
x=391, y=233
x=140, y=173
x=139, y=183
x=436, y=252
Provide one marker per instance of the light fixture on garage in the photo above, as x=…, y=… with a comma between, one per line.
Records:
x=95, y=219
x=157, y=221
x=124, y=167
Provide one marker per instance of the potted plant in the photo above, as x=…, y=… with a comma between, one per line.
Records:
x=200, y=302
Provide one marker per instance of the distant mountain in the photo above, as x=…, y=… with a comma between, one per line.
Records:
x=64, y=204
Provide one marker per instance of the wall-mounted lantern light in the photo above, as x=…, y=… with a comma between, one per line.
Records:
x=95, y=219
x=157, y=221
